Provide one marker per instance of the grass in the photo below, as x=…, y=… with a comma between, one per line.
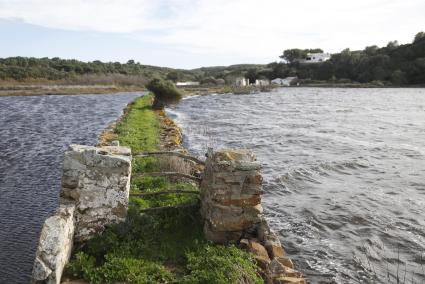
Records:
x=162, y=246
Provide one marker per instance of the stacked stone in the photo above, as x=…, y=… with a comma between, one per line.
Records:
x=230, y=195
x=231, y=207
x=95, y=193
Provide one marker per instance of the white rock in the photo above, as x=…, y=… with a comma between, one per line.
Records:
x=98, y=180
x=55, y=245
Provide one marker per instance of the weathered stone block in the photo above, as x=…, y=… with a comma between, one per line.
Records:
x=55, y=245
x=98, y=181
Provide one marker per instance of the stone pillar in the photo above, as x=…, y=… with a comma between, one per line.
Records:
x=230, y=195
x=97, y=180
x=231, y=207
x=55, y=245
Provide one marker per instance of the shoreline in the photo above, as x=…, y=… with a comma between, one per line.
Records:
x=64, y=90
x=75, y=90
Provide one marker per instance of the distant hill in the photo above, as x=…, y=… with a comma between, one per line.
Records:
x=393, y=64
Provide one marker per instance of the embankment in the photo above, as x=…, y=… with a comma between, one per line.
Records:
x=172, y=231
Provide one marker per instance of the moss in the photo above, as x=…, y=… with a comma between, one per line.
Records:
x=161, y=246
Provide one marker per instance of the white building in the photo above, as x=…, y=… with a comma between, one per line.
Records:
x=262, y=82
x=315, y=58
x=288, y=81
x=184, y=84
x=242, y=82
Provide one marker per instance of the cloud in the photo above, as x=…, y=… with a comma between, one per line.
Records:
x=249, y=28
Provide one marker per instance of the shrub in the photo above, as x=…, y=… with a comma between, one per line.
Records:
x=165, y=93
x=221, y=265
x=117, y=268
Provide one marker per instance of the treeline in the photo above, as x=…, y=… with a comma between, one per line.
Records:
x=24, y=68
x=393, y=64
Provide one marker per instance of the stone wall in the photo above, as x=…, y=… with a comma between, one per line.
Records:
x=98, y=181
x=95, y=193
x=231, y=207
x=230, y=195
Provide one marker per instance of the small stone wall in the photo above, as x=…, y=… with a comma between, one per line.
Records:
x=98, y=181
x=230, y=195
x=231, y=207
x=95, y=193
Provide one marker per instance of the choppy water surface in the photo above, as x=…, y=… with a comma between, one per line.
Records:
x=34, y=133
x=344, y=174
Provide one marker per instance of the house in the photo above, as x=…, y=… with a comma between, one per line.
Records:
x=242, y=82
x=185, y=84
x=262, y=82
x=315, y=58
x=288, y=81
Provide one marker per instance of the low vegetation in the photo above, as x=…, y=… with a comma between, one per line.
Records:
x=157, y=246
x=165, y=93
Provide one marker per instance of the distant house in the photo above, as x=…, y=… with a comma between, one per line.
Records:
x=315, y=58
x=288, y=81
x=262, y=82
x=185, y=84
x=242, y=82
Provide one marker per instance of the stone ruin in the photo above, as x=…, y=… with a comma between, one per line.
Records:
x=95, y=193
x=97, y=180
x=231, y=207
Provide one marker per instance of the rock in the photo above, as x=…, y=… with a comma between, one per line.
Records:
x=289, y=280
x=278, y=270
x=254, y=247
x=98, y=181
x=55, y=245
x=274, y=249
x=262, y=262
x=272, y=244
x=286, y=261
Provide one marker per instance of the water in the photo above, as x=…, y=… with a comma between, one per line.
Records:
x=344, y=174
x=34, y=133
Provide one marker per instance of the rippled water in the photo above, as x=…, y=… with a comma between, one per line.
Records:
x=34, y=133
x=344, y=174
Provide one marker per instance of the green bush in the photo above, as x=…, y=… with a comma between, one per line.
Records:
x=221, y=265
x=165, y=93
x=117, y=268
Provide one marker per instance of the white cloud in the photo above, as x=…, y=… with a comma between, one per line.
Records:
x=249, y=28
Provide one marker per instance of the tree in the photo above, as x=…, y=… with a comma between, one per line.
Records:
x=371, y=50
x=419, y=36
x=165, y=93
x=393, y=44
x=174, y=76
x=291, y=55
x=252, y=75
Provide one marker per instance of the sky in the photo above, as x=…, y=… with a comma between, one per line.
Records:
x=194, y=33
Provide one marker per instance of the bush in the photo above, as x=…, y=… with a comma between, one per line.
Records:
x=165, y=93
x=221, y=265
x=118, y=268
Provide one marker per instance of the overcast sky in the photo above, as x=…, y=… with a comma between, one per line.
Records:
x=194, y=33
